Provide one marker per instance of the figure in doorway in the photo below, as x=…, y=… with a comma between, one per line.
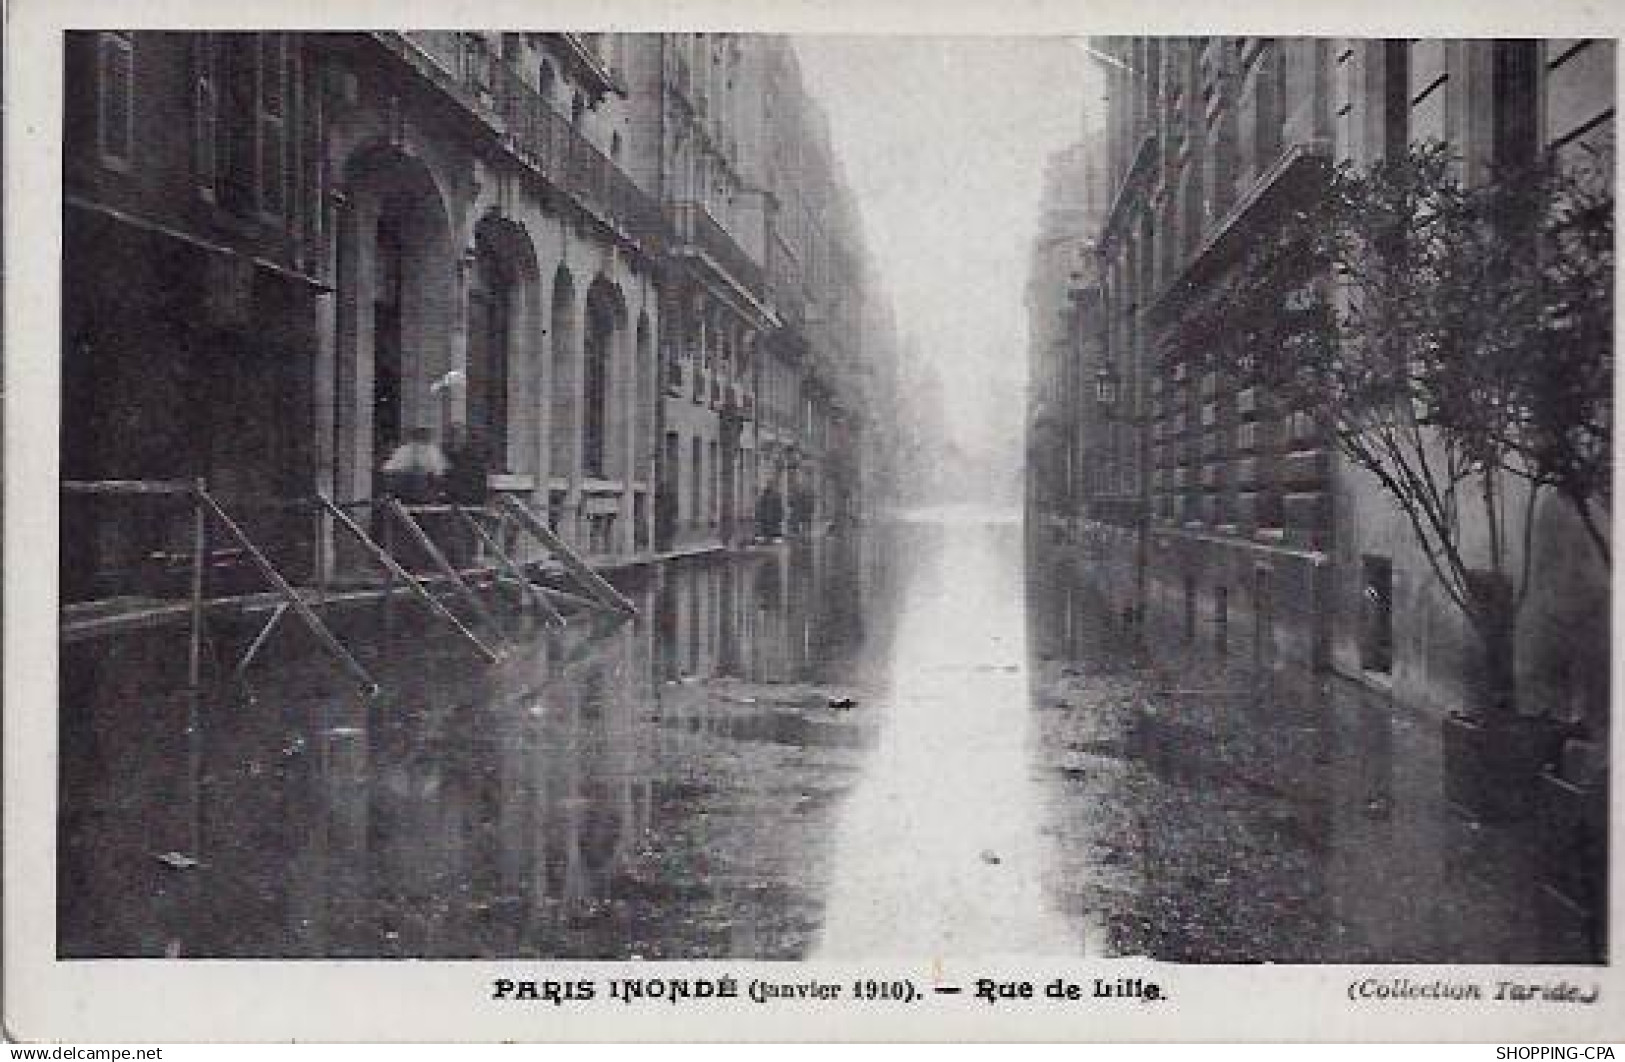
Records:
x=414, y=474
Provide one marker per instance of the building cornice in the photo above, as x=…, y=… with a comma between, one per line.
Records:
x=586, y=65
x=1289, y=171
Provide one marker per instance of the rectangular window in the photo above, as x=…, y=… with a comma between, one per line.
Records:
x=697, y=483
x=1377, y=614
x=115, y=99
x=272, y=123
x=715, y=492
x=205, y=115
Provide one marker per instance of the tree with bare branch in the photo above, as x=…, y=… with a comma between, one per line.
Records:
x=1456, y=343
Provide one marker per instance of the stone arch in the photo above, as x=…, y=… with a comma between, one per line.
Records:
x=396, y=301
x=504, y=365
x=566, y=327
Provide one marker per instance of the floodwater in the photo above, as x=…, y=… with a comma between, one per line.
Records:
x=937, y=850
x=921, y=738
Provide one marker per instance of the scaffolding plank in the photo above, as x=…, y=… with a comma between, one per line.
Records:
x=128, y=486
x=446, y=567
x=514, y=571
x=300, y=606
x=396, y=571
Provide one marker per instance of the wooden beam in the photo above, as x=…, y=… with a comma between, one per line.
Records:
x=446, y=567
x=528, y=588
x=596, y=584
x=295, y=601
x=395, y=571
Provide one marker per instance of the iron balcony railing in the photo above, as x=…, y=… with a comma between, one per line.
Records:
x=546, y=140
x=696, y=231
x=542, y=136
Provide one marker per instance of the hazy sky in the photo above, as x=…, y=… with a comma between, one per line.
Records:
x=943, y=141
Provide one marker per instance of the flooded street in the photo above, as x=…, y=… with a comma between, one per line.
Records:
x=911, y=742
x=938, y=850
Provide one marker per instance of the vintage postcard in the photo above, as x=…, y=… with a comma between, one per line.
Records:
x=638, y=521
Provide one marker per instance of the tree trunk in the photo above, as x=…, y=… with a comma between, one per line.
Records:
x=1491, y=681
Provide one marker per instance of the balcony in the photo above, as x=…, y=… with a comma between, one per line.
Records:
x=546, y=140
x=788, y=298
x=696, y=234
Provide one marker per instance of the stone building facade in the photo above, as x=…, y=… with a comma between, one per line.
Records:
x=284, y=253
x=1256, y=539
x=1064, y=353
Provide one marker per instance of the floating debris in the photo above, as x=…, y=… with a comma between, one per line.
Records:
x=990, y=857
x=842, y=704
x=177, y=860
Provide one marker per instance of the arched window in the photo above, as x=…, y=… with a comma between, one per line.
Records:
x=564, y=380
x=387, y=398
x=490, y=314
x=577, y=108
x=598, y=350
x=544, y=81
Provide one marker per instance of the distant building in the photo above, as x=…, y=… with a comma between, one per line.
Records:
x=1063, y=321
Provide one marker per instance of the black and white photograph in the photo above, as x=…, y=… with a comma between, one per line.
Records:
x=552, y=495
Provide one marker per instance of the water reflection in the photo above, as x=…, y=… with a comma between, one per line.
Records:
x=939, y=851
x=1232, y=813
x=571, y=801
x=901, y=744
